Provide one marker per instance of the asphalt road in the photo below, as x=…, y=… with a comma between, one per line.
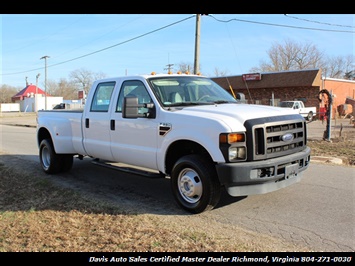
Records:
x=317, y=213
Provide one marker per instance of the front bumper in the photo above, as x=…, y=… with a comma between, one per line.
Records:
x=259, y=177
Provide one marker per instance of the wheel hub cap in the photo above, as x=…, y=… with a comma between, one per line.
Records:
x=190, y=185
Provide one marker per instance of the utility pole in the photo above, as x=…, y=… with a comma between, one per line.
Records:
x=197, y=45
x=329, y=121
x=45, y=80
x=169, y=68
x=36, y=95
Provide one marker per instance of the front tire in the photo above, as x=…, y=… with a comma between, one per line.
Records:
x=195, y=184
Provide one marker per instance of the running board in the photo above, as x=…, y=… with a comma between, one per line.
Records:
x=130, y=170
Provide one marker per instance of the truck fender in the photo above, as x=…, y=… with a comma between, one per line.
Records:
x=62, y=141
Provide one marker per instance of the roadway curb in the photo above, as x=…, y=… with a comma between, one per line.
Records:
x=325, y=159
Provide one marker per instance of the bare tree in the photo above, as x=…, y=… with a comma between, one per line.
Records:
x=297, y=56
x=84, y=78
x=334, y=68
x=350, y=75
x=340, y=67
x=220, y=73
x=349, y=72
x=67, y=90
x=291, y=56
x=52, y=87
x=186, y=67
x=6, y=92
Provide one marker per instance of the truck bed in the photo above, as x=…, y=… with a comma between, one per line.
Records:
x=66, y=128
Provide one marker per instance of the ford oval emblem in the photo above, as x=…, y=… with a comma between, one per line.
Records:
x=287, y=137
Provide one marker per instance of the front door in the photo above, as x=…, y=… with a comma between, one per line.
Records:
x=134, y=141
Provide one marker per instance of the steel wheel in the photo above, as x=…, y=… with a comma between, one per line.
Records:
x=45, y=157
x=190, y=185
x=50, y=161
x=195, y=184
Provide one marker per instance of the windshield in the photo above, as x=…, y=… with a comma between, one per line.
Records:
x=286, y=104
x=189, y=90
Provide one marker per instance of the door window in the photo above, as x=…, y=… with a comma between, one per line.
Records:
x=134, y=88
x=102, y=97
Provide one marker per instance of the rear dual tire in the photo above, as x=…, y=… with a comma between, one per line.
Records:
x=51, y=162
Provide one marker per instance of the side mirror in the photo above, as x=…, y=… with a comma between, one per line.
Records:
x=131, y=108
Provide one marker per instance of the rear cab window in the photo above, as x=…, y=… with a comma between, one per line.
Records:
x=102, y=97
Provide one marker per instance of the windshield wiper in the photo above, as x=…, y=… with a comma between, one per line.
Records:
x=197, y=103
x=222, y=101
x=184, y=104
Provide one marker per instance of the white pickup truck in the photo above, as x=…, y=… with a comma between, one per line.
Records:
x=307, y=112
x=183, y=127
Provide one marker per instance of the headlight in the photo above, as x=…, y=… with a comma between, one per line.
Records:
x=233, y=146
x=237, y=153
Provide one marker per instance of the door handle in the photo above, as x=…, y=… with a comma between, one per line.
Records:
x=112, y=124
x=87, y=122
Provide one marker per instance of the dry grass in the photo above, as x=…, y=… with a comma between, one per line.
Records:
x=341, y=146
x=36, y=215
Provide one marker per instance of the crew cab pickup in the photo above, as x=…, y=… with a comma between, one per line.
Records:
x=182, y=127
x=307, y=112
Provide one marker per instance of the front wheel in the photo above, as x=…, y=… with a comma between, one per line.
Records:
x=310, y=116
x=195, y=184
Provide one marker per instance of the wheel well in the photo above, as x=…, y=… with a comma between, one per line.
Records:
x=181, y=148
x=42, y=134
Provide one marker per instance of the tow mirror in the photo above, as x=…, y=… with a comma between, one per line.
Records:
x=131, y=108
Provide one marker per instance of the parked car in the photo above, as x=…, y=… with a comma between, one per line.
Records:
x=307, y=112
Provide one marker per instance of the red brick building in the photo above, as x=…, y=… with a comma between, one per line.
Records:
x=272, y=87
x=343, y=94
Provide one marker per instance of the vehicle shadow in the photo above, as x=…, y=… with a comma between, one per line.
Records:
x=131, y=193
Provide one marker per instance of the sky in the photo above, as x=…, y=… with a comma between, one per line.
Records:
x=129, y=44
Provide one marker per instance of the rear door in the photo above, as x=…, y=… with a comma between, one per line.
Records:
x=96, y=124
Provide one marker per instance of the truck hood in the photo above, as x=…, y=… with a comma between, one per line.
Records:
x=231, y=112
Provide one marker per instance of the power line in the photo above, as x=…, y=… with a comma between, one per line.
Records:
x=97, y=38
x=314, y=21
x=98, y=51
x=279, y=25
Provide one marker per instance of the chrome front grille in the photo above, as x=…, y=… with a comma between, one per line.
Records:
x=275, y=137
